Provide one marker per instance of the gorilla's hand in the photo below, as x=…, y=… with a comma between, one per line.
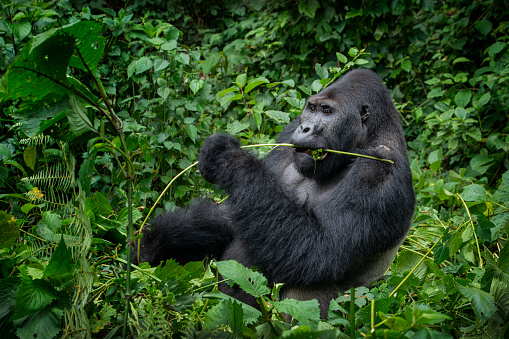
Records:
x=217, y=155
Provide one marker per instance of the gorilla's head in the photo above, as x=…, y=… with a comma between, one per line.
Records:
x=355, y=112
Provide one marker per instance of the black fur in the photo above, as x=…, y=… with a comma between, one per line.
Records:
x=321, y=227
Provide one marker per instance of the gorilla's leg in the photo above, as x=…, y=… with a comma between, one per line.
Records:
x=187, y=234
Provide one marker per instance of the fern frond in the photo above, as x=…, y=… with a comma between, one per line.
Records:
x=56, y=176
x=37, y=140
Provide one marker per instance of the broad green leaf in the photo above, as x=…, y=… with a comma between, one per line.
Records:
x=474, y=193
x=486, y=229
x=192, y=131
x=225, y=91
x=60, y=269
x=32, y=296
x=341, y=58
x=361, y=61
x=435, y=159
x=483, y=26
x=406, y=65
x=297, y=103
x=484, y=99
x=251, y=282
x=460, y=59
x=496, y=48
x=482, y=302
x=20, y=29
x=463, y=97
x=316, y=86
x=43, y=324
x=280, y=117
x=307, y=312
x=308, y=7
x=436, y=92
x=210, y=62
x=143, y=64
x=196, y=85
x=237, y=127
x=160, y=64
x=481, y=163
x=225, y=315
x=89, y=43
x=255, y=83
x=241, y=80
x=169, y=46
x=163, y=92
x=30, y=156
x=321, y=71
x=77, y=116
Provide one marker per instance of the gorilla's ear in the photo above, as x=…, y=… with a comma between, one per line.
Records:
x=364, y=112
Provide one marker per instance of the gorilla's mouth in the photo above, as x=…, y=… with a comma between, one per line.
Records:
x=317, y=154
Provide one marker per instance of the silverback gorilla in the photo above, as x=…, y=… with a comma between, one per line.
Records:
x=319, y=226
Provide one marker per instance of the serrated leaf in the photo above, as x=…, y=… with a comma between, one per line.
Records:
x=279, y=116
x=192, y=131
x=306, y=312
x=482, y=302
x=255, y=83
x=297, y=103
x=463, y=97
x=237, y=127
x=77, y=116
x=225, y=315
x=169, y=46
x=32, y=296
x=43, y=324
x=251, y=282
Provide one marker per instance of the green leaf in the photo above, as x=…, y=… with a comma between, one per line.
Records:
x=241, y=80
x=196, y=85
x=143, y=64
x=341, y=58
x=406, y=65
x=225, y=91
x=484, y=99
x=316, y=86
x=474, y=193
x=460, y=59
x=435, y=159
x=32, y=295
x=255, y=83
x=44, y=324
x=308, y=7
x=482, y=303
x=280, y=117
x=496, y=48
x=160, y=64
x=237, y=127
x=77, y=116
x=210, y=62
x=60, y=269
x=163, y=92
x=297, y=103
x=20, y=29
x=251, y=282
x=227, y=316
x=481, y=163
x=192, y=131
x=435, y=93
x=463, y=97
x=321, y=71
x=483, y=26
x=30, y=156
x=9, y=230
x=89, y=43
x=306, y=312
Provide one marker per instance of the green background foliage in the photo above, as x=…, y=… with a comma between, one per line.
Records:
x=104, y=103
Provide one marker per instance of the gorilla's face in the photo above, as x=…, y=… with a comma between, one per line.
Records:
x=332, y=119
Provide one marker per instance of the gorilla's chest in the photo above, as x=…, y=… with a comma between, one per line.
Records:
x=304, y=191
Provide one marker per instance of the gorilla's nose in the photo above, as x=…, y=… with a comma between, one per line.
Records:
x=303, y=134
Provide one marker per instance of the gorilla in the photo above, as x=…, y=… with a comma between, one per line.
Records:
x=321, y=226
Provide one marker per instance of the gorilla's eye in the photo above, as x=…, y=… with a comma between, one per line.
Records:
x=312, y=107
x=327, y=110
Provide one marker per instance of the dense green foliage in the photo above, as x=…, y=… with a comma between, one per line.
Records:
x=102, y=106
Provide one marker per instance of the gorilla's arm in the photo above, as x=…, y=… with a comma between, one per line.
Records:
x=187, y=234
x=299, y=245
